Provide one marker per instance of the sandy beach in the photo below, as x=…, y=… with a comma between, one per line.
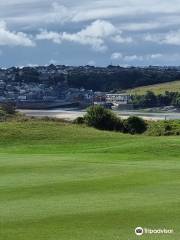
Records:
x=71, y=114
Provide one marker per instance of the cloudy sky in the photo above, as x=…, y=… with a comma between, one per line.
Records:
x=94, y=32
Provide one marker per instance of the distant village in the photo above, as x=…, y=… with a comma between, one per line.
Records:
x=46, y=87
x=50, y=86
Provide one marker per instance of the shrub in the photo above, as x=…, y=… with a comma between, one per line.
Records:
x=135, y=125
x=164, y=128
x=103, y=119
x=9, y=108
x=3, y=115
x=79, y=120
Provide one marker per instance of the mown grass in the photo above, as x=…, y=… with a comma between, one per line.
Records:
x=68, y=182
x=157, y=88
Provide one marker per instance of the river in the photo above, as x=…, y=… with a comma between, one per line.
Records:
x=71, y=114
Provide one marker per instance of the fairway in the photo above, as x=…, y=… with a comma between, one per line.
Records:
x=64, y=182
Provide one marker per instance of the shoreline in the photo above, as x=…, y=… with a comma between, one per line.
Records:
x=71, y=114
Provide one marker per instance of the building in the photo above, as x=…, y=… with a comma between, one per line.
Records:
x=118, y=99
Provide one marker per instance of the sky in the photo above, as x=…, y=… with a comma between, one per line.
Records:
x=89, y=32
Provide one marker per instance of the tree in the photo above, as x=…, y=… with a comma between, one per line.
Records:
x=104, y=119
x=79, y=120
x=9, y=108
x=135, y=125
x=3, y=115
x=150, y=99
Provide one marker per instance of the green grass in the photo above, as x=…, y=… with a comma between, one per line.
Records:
x=65, y=182
x=157, y=88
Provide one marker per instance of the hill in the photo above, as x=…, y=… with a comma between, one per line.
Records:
x=54, y=80
x=157, y=88
x=61, y=181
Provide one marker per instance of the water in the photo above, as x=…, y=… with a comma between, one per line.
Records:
x=71, y=114
x=150, y=115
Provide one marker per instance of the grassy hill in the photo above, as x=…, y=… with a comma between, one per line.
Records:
x=157, y=88
x=67, y=182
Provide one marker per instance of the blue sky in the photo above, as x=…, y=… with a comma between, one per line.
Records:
x=94, y=32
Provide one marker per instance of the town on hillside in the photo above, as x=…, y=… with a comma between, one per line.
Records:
x=57, y=86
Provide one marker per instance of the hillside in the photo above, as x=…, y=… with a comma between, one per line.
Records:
x=61, y=181
x=54, y=80
x=157, y=88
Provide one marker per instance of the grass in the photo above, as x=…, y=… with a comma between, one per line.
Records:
x=163, y=128
x=65, y=182
x=157, y=88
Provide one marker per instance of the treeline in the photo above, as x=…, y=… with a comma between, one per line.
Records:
x=116, y=78
x=149, y=100
x=111, y=78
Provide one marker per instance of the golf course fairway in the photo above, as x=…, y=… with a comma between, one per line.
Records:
x=60, y=181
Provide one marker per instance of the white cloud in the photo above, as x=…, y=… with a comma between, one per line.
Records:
x=58, y=14
x=120, y=39
x=31, y=65
x=113, y=9
x=54, y=36
x=155, y=56
x=151, y=38
x=132, y=15
x=126, y=58
x=139, y=26
x=100, y=29
x=133, y=58
x=116, y=56
x=8, y=38
x=93, y=35
x=121, y=22
x=88, y=10
x=171, y=38
x=148, y=23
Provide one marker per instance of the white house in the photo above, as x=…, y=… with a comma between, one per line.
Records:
x=118, y=99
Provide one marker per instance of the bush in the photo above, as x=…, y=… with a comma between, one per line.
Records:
x=135, y=125
x=103, y=119
x=164, y=128
x=79, y=120
x=3, y=115
x=9, y=108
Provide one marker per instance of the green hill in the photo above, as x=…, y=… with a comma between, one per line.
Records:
x=67, y=182
x=157, y=88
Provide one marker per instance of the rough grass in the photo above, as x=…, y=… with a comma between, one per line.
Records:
x=157, y=88
x=163, y=128
x=66, y=182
